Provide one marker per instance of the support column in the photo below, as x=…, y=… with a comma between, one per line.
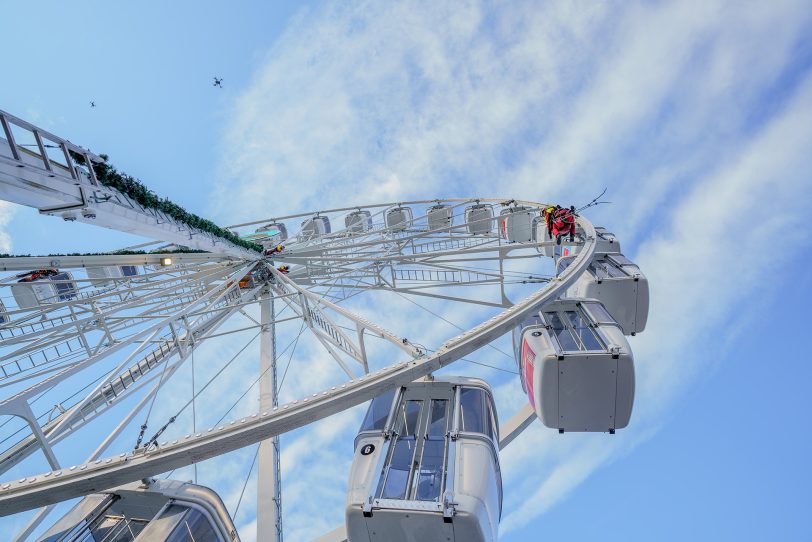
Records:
x=269, y=477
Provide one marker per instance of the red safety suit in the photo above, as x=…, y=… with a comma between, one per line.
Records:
x=563, y=224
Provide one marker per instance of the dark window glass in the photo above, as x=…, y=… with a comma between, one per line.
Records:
x=194, y=527
x=561, y=332
x=64, y=290
x=582, y=330
x=620, y=259
x=438, y=425
x=473, y=416
x=599, y=313
x=378, y=411
x=429, y=479
x=395, y=482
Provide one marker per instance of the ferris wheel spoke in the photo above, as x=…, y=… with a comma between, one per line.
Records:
x=125, y=380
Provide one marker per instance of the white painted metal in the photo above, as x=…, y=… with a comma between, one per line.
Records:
x=66, y=190
x=577, y=367
x=358, y=221
x=479, y=218
x=325, y=269
x=621, y=287
x=149, y=512
x=431, y=468
x=41, y=489
x=269, y=477
x=399, y=218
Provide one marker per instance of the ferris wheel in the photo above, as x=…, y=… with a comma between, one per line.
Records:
x=86, y=339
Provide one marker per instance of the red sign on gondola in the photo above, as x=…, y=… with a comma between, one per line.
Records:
x=528, y=356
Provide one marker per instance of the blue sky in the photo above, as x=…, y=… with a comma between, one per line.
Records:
x=695, y=116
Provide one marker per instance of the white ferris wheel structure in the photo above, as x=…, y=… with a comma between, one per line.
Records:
x=82, y=335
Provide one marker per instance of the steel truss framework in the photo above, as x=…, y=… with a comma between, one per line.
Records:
x=71, y=359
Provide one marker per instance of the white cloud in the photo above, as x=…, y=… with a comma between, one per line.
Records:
x=6, y=213
x=670, y=105
x=667, y=104
x=686, y=112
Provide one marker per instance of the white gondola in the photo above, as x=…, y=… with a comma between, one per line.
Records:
x=52, y=289
x=479, y=219
x=516, y=224
x=358, y=221
x=399, y=218
x=606, y=242
x=440, y=216
x=277, y=232
x=426, y=465
x=164, y=511
x=620, y=285
x=102, y=276
x=315, y=227
x=576, y=367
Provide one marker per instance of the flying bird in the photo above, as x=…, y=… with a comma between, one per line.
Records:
x=92, y=104
x=218, y=82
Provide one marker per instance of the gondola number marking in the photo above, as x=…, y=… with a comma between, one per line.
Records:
x=367, y=449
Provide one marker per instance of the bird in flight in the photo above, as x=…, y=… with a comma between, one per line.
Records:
x=92, y=104
x=218, y=82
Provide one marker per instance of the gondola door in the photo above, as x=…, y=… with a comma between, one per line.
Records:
x=417, y=459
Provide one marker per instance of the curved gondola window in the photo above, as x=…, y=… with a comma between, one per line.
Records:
x=599, y=313
x=561, y=332
x=178, y=523
x=583, y=331
x=474, y=415
x=429, y=479
x=620, y=259
x=375, y=419
x=396, y=480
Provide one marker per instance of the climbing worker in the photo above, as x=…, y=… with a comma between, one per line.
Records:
x=274, y=250
x=283, y=269
x=548, y=213
x=37, y=274
x=563, y=224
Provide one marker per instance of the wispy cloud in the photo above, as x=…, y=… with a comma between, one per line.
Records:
x=696, y=116
x=6, y=213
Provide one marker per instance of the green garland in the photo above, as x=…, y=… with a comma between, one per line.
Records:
x=135, y=189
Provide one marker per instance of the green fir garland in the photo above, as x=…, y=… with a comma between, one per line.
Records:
x=135, y=189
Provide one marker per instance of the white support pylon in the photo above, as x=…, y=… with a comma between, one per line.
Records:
x=269, y=477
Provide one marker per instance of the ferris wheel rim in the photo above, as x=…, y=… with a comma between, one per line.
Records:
x=18, y=493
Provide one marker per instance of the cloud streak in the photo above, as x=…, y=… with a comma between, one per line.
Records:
x=682, y=110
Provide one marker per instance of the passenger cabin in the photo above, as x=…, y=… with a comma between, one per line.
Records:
x=426, y=465
x=479, y=219
x=165, y=511
x=103, y=276
x=44, y=290
x=620, y=285
x=315, y=227
x=358, y=221
x=399, y=218
x=606, y=242
x=440, y=216
x=576, y=367
x=276, y=232
x=517, y=224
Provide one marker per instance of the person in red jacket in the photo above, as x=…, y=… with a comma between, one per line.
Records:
x=274, y=250
x=563, y=224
